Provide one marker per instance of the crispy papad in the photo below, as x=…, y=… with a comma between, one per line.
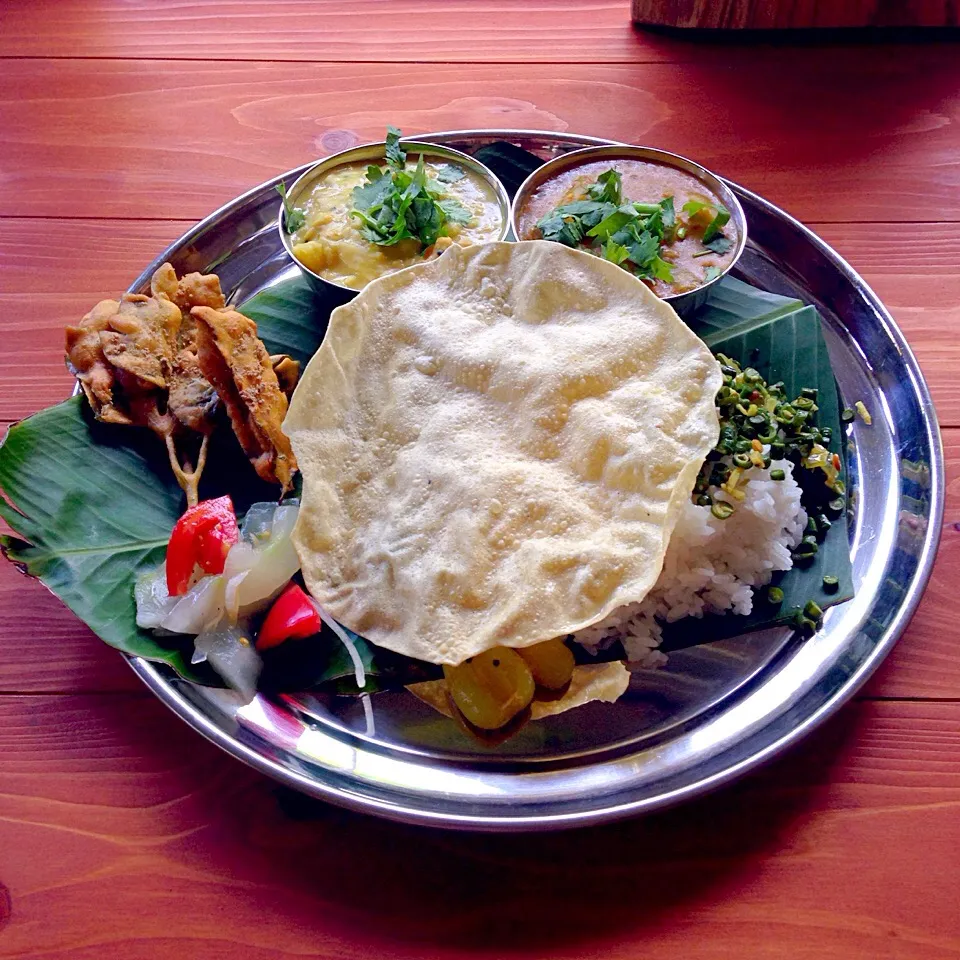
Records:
x=495, y=447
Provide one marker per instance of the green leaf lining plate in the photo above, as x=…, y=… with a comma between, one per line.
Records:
x=92, y=505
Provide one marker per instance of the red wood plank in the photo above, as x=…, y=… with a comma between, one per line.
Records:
x=558, y=31
x=125, y=835
x=844, y=139
x=340, y=30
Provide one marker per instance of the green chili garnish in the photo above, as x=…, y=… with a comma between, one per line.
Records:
x=812, y=610
x=837, y=506
x=774, y=595
x=777, y=475
x=847, y=415
x=721, y=509
x=831, y=584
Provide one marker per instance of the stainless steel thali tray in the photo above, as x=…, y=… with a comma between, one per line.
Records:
x=715, y=711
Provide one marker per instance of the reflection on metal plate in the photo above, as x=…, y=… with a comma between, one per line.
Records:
x=714, y=711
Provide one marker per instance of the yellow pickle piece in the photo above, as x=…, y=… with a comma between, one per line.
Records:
x=491, y=688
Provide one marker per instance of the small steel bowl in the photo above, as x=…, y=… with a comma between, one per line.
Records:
x=371, y=153
x=684, y=303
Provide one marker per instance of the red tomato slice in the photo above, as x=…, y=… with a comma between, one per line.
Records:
x=186, y=548
x=292, y=616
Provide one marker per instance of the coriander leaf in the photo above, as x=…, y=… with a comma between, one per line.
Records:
x=692, y=207
x=608, y=188
x=645, y=250
x=454, y=211
x=372, y=195
x=719, y=244
x=711, y=273
x=661, y=270
x=396, y=156
x=293, y=217
x=375, y=173
x=667, y=214
x=427, y=220
x=589, y=212
x=449, y=173
x=654, y=223
x=716, y=224
x=614, y=222
x=615, y=253
x=561, y=230
x=629, y=234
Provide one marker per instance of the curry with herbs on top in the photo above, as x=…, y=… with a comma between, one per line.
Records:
x=360, y=221
x=654, y=220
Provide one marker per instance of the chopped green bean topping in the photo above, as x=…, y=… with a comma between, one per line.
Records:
x=812, y=610
x=837, y=506
x=777, y=475
x=721, y=509
x=774, y=595
x=847, y=415
x=831, y=584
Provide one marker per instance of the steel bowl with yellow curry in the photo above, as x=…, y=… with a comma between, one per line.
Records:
x=375, y=209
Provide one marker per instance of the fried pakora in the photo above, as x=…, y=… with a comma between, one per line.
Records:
x=138, y=361
x=235, y=361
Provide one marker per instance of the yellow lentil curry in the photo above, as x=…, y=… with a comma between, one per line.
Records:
x=332, y=241
x=658, y=222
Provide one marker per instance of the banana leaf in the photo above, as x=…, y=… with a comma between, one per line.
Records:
x=91, y=505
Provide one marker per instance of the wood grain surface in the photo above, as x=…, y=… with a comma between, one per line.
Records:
x=390, y=31
x=125, y=836
x=122, y=833
x=867, y=139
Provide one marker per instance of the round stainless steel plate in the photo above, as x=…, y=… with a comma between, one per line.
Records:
x=714, y=711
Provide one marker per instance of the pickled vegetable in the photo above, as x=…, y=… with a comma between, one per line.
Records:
x=491, y=688
x=550, y=662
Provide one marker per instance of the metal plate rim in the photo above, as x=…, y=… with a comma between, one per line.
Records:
x=154, y=679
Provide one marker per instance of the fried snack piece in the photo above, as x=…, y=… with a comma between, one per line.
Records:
x=236, y=362
x=122, y=352
x=192, y=398
x=120, y=349
x=192, y=290
x=86, y=361
x=287, y=370
x=140, y=338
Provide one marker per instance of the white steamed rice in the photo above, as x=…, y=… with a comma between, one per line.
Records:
x=711, y=564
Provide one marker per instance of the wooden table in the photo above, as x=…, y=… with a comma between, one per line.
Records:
x=122, y=833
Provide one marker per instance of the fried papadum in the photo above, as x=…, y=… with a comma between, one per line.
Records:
x=495, y=449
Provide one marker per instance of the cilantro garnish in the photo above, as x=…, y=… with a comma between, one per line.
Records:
x=608, y=188
x=293, y=217
x=448, y=173
x=631, y=234
x=719, y=244
x=716, y=224
x=394, y=204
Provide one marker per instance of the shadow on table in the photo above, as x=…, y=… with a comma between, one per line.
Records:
x=416, y=887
